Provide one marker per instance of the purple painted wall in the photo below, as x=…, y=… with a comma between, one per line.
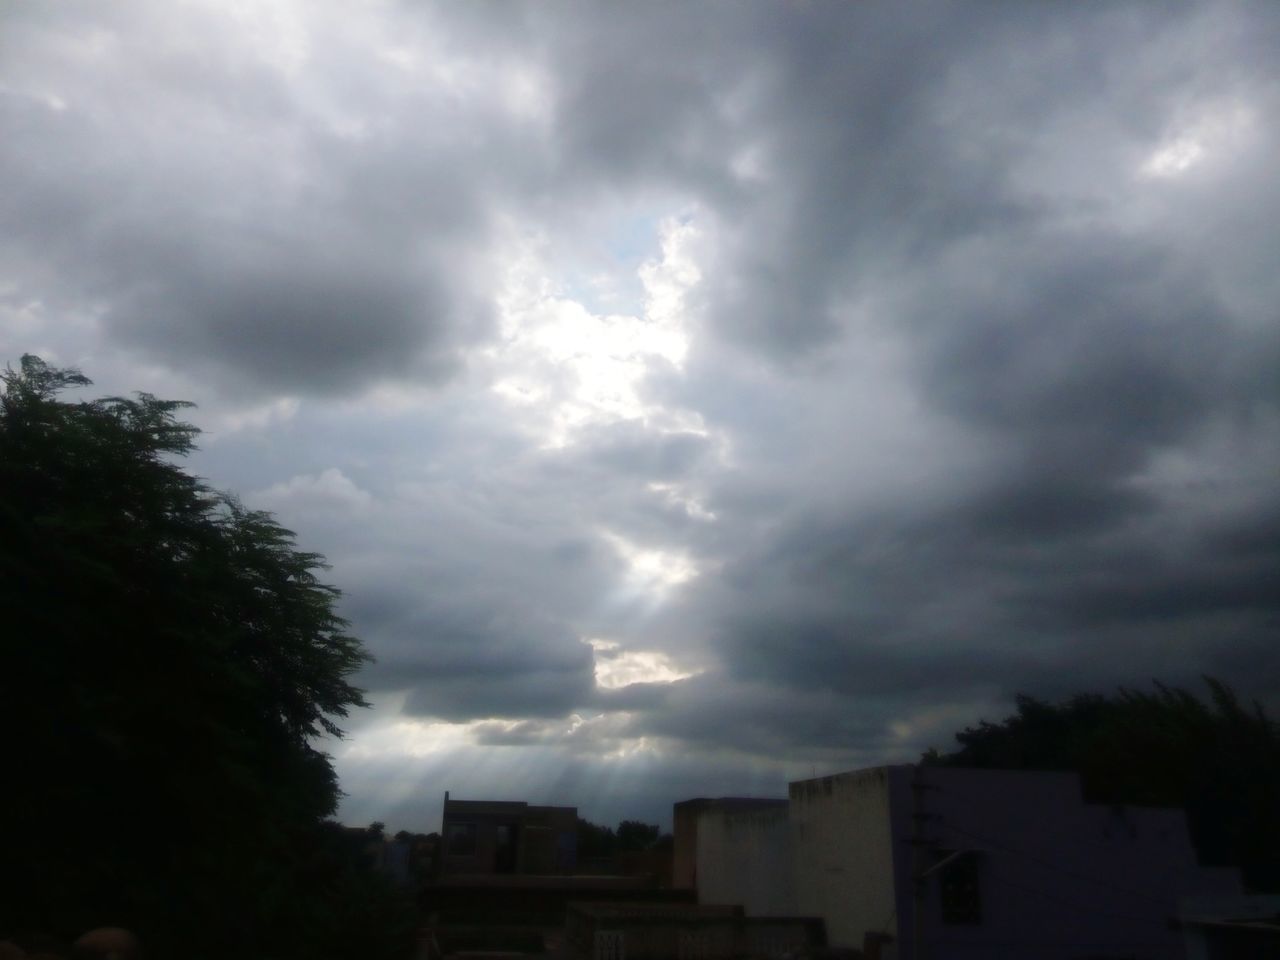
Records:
x=1056, y=878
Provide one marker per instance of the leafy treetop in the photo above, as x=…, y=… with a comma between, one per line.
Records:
x=170, y=660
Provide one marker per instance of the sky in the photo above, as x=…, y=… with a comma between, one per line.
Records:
x=688, y=397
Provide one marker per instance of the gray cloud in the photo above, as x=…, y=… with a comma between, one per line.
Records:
x=222, y=221
x=976, y=392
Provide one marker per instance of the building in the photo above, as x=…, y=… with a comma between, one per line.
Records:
x=658, y=931
x=1239, y=927
x=687, y=815
x=941, y=862
x=743, y=856
x=507, y=837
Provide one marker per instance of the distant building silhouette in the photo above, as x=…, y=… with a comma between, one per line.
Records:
x=507, y=837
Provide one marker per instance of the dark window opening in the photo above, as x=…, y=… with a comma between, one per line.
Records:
x=958, y=885
x=506, y=852
x=461, y=839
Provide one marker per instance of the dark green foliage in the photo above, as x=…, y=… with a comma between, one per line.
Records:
x=597, y=842
x=332, y=904
x=1218, y=759
x=424, y=848
x=633, y=835
x=168, y=659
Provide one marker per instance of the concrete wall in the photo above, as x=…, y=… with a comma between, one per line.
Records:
x=684, y=853
x=1044, y=874
x=844, y=854
x=1213, y=926
x=744, y=857
x=1056, y=878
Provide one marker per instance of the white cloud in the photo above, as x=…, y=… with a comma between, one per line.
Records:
x=567, y=368
x=545, y=323
x=676, y=495
x=651, y=573
x=328, y=491
x=1213, y=134
x=616, y=667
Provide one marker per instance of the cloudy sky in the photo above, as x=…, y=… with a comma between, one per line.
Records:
x=689, y=397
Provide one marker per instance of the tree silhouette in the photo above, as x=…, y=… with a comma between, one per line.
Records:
x=169, y=659
x=634, y=835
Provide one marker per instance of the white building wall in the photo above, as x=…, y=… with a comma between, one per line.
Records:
x=843, y=854
x=744, y=857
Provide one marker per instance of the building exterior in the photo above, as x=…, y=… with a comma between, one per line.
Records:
x=744, y=857
x=507, y=837
x=640, y=931
x=1239, y=927
x=844, y=854
x=687, y=816
x=942, y=862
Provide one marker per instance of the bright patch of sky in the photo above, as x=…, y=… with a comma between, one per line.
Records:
x=616, y=667
x=676, y=496
x=651, y=573
x=563, y=368
x=1214, y=133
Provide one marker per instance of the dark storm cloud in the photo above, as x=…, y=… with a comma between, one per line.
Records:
x=545, y=691
x=211, y=218
x=1074, y=357
x=288, y=314
x=467, y=663
x=635, y=696
x=1058, y=564
x=925, y=607
x=766, y=719
x=456, y=626
x=984, y=405
x=1091, y=345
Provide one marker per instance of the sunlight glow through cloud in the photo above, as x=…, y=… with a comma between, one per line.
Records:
x=616, y=668
x=409, y=738
x=1215, y=132
x=569, y=368
x=634, y=372
x=652, y=572
x=676, y=496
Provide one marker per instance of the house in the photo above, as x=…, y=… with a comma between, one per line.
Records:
x=737, y=850
x=508, y=871
x=687, y=815
x=941, y=862
x=507, y=837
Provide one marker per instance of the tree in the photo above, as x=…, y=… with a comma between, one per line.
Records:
x=594, y=841
x=634, y=835
x=598, y=843
x=1218, y=759
x=170, y=658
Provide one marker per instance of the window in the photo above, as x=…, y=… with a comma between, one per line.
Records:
x=461, y=840
x=958, y=884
